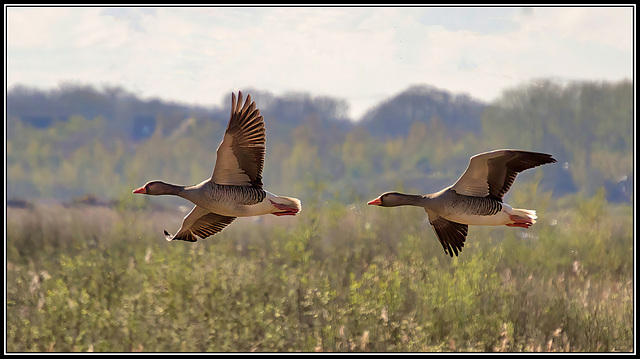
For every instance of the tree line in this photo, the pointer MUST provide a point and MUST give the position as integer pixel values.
(78, 140)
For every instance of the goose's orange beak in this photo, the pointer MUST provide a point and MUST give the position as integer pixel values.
(140, 190)
(375, 202)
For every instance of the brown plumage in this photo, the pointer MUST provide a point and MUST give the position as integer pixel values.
(475, 198)
(235, 187)
(240, 156)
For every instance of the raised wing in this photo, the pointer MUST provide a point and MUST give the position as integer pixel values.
(240, 156)
(492, 173)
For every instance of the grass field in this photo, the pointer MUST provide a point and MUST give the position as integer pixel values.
(334, 278)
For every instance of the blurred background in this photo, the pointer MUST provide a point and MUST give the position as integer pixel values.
(356, 101)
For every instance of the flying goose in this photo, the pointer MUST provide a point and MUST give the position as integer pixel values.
(475, 198)
(235, 187)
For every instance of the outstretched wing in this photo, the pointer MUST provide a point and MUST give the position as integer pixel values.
(200, 222)
(240, 156)
(451, 234)
(492, 173)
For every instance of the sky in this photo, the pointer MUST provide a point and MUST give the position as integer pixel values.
(364, 55)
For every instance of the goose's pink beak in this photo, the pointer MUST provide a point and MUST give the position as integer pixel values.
(375, 202)
(141, 190)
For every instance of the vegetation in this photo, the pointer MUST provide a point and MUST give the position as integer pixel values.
(334, 279)
(587, 126)
(93, 272)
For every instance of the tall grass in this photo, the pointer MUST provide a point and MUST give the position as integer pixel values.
(334, 278)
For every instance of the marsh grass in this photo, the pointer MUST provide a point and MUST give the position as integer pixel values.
(335, 278)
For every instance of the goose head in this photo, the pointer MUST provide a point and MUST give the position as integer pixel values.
(392, 199)
(156, 188)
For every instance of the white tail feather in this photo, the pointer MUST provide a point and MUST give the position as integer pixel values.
(289, 201)
(526, 213)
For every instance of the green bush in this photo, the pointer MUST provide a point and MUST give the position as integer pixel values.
(334, 278)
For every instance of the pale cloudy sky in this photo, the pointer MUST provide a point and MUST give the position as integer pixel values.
(198, 55)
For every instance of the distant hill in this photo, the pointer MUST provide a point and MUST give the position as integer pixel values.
(123, 111)
(78, 139)
(394, 117)
(137, 118)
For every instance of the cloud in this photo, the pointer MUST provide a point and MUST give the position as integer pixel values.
(132, 16)
(364, 55)
(608, 26)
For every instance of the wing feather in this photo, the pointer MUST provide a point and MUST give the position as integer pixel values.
(492, 173)
(240, 156)
(201, 223)
(450, 234)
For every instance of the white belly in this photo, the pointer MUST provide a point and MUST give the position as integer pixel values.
(498, 219)
(258, 209)
(240, 210)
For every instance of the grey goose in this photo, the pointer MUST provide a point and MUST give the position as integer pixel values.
(475, 198)
(235, 187)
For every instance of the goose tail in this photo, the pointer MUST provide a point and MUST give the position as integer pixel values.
(522, 217)
(286, 206)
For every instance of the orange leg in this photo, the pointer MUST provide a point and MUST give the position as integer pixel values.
(518, 221)
(286, 210)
